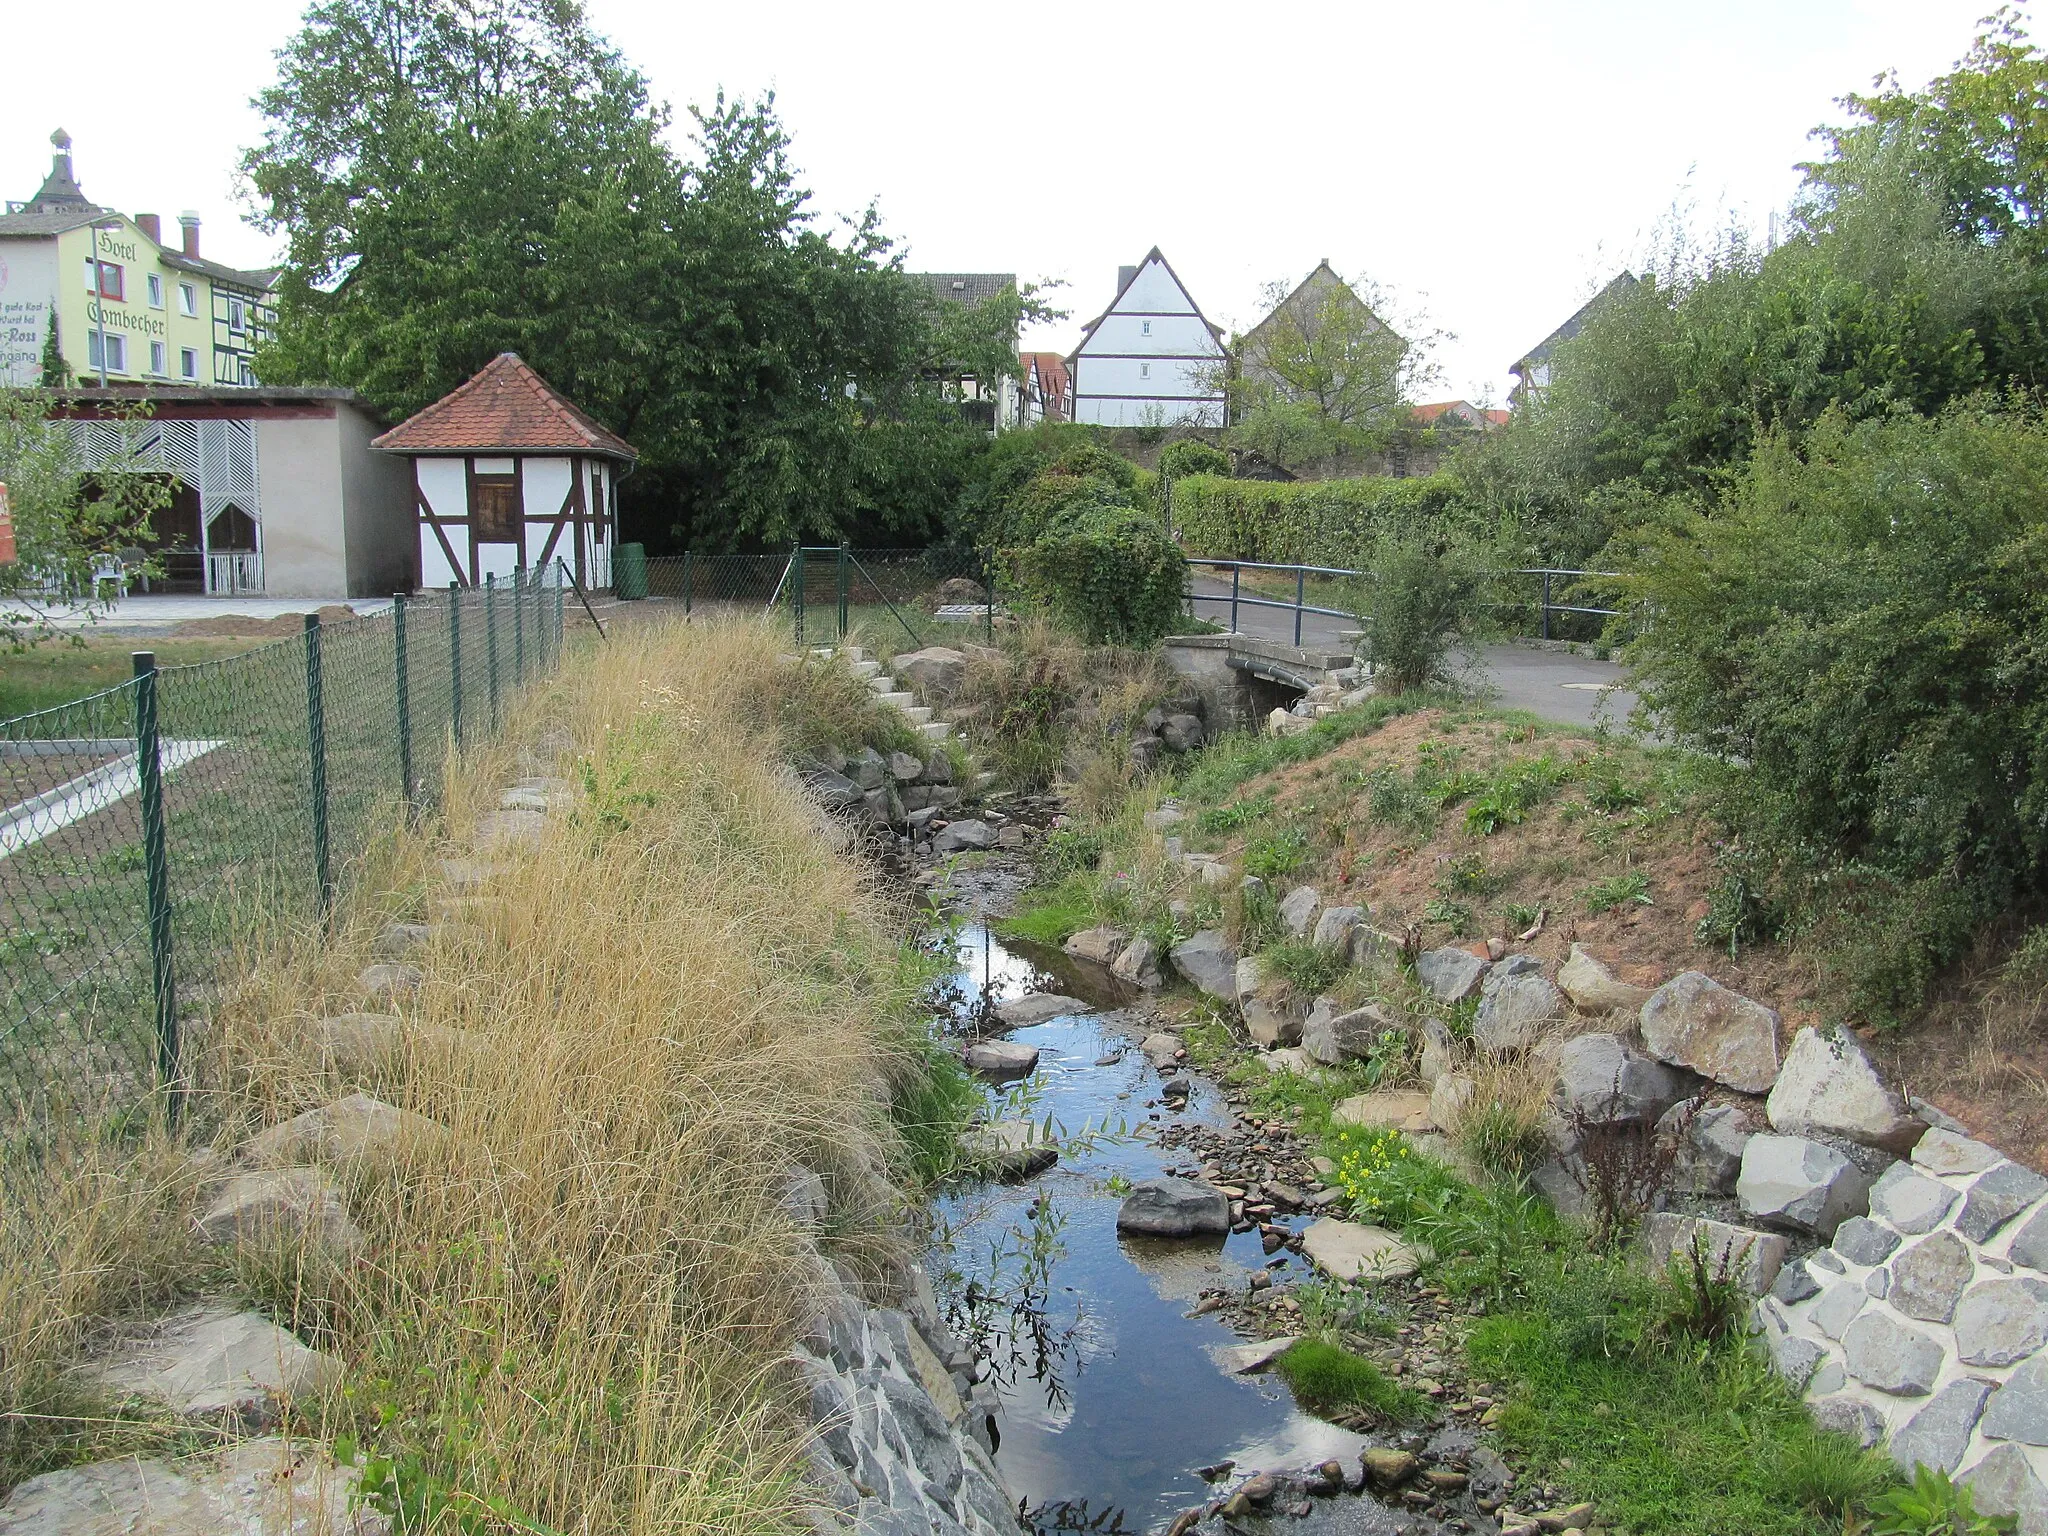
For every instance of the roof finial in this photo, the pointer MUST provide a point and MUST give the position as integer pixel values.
(61, 139)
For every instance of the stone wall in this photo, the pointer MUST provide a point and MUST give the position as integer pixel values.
(904, 1441)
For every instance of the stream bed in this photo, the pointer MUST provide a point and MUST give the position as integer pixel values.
(1112, 1396)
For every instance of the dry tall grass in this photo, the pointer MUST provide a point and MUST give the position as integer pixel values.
(633, 1033)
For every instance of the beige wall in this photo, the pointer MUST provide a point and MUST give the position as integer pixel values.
(337, 519)
(383, 524)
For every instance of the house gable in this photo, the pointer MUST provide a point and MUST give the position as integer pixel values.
(1151, 358)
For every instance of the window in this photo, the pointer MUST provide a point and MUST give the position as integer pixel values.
(156, 290)
(494, 509)
(188, 301)
(188, 363)
(159, 357)
(237, 317)
(103, 278)
(1147, 324)
(1144, 370)
(248, 375)
(116, 348)
(597, 505)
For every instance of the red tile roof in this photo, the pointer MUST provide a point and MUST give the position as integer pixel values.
(505, 408)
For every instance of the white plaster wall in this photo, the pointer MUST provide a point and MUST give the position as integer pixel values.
(547, 483)
(1172, 335)
(28, 289)
(1154, 289)
(444, 484)
(299, 498)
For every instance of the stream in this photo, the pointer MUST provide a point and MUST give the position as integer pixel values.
(1112, 1396)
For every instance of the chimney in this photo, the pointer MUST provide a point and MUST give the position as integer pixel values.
(151, 226)
(188, 221)
(1124, 276)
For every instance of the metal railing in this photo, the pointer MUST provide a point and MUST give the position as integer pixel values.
(149, 833)
(920, 595)
(233, 571)
(1545, 605)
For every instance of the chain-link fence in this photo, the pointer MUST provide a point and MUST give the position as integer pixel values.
(901, 599)
(147, 831)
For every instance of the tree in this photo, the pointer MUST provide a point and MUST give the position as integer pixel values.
(1323, 376)
(458, 178)
(68, 512)
(56, 372)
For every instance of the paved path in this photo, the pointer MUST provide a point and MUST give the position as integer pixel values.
(154, 613)
(1552, 685)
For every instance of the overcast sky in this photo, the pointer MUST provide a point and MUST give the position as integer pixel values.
(1492, 162)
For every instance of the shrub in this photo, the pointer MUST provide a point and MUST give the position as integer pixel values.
(1112, 578)
(1313, 522)
(1056, 501)
(1184, 459)
(1276, 853)
(1858, 623)
(1306, 968)
(1418, 611)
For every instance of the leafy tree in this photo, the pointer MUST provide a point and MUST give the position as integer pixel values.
(67, 513)
(1323, 376)
(455, 181)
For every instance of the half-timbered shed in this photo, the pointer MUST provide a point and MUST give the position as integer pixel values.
(507, 474)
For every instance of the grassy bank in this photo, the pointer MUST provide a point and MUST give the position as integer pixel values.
(569, 1310)
(60, 670)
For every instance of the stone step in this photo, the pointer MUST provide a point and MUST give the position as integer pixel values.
(882, 682)
(899, 700)
(857, 654)
(866, 668)
(916, 713)
(936, 730)
(984, 781)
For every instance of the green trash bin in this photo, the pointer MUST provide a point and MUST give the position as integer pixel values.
(629, 572)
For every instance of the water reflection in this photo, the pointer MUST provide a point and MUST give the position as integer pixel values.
(1110, 1398)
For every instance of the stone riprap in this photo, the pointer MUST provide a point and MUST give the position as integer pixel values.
(1922, 1326)
(902, 1431)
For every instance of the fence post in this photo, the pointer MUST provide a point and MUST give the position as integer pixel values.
(491, 643)
(455, 661)
(842, 590)
(1546, 605)
(518, 625)
(404, 701)
(561, 571)
(1300, 586)
(988, 592)
(316, 757)
(157, 866)
(796, 592)
(689, 556)
(1235, 573)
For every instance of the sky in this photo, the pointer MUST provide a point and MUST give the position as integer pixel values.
(1490, 163)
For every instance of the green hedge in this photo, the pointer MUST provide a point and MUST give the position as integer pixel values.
(1313, 522)
(1114, 578)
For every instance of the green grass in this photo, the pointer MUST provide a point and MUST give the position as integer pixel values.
(1329, 1381)
(1233, 760)
(1308, 968)
(1051, 915)
(1616, 891)
(58, 671)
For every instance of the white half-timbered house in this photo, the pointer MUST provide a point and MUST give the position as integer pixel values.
(507, 474)
(1152, 359)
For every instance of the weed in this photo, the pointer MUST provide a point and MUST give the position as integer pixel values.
(1512, 793)
(1627, 1164)
(1607, 789)
(1331, 1309)
(1467, 875)
(1698, 1297)
(1277, 853)
(1239, 813)
(1329, 1381)
(1519, 915)
(1934, 1506)
(1454, 915)
(1613, 891)
(1308, 969)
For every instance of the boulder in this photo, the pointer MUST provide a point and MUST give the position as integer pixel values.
(1181, 733)
(292, 1207)
(1450, 1098)
(359, 1131)
(265, 1487)
(1827, 1084)
(1694, 1021)
(961, 836)
(834, 791)
(1594, 989)
(1101, 945)
(1174, 1208)
(1298, 909)
(1245, 1359)
(1910, 1201)
(1009, 1150)
(1889, 1356)
(1709, 1158)
(1949, 1152)
(1335, 926)
(1602, 1079)
(1450, 975)
(359, 1044)
(215, 1365)
(1250, 976)
(1372, 947)
(1139, 964)
(1002, 1058)
(1847, 1414)
(1334, 1038)
(1269, 1026)
(938, 768)
(1799, 1185)
(1208, 961)
(1165, 817)
(397, 940)
(1161, 1049)
(1038, 1007)
(905, 768)
(1751, 1259)
(1388, 1109)
(388, 981)
(1349, 1250)
(1438, 1054)
(934, 672)
(869, 770)
(1513, 1014)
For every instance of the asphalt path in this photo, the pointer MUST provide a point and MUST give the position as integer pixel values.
(1552, 685)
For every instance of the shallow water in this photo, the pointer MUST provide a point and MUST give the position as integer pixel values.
(1113, 1398)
